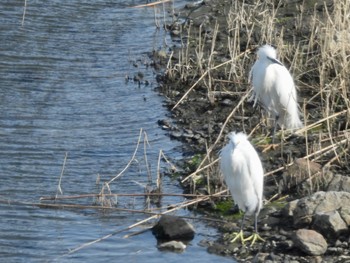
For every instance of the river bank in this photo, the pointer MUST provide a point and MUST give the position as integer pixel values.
(207, 90)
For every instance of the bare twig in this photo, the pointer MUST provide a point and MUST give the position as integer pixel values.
(152, 4)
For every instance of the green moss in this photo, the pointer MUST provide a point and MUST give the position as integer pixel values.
(224, 206)
(261, 140)
(194, 162)
(175, 175)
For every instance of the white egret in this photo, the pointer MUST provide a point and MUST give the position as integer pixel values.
(244, 176)
(274, 88)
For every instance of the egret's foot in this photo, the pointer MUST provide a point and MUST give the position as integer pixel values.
(254, 237)
(237, 236)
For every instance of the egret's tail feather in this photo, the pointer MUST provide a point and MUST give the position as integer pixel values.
(293, 122)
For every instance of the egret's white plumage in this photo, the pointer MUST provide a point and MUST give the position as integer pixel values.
(244, 176)
(274, 88)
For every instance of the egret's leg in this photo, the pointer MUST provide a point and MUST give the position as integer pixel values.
(272, 145)
(255, 236)
(239, 236)
(274, 130)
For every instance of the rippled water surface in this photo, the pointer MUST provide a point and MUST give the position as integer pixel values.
(63, 91)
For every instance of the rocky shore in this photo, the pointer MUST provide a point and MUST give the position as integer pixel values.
(306, 216)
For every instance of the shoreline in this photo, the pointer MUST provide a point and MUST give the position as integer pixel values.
(205, 84)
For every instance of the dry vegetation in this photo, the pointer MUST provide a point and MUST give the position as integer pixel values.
(312, 40)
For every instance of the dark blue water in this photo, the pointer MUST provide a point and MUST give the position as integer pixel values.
(63, 91)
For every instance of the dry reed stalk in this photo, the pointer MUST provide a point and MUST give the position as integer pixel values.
(152, 4)
(317, 123)
(106, 186)
(145, 144)
(50, 198)
(204, 74)
(59, 189)
(210, 62)
(321, 152)
(131, 159)
(159, 176)
(24, 11)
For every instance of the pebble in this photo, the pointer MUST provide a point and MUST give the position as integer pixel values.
(176, 246)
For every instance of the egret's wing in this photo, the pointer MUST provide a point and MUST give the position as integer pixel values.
(287, 98)
(256, 176)
(232, 168)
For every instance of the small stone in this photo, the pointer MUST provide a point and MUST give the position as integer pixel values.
(165, 124)
(260, 257)
(227, 102)
(175, 32)
(173, 245)
(310, 242)
(176, 134)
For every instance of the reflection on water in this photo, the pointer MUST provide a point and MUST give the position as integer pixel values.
(63, 90)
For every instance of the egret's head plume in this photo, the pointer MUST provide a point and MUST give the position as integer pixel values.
(267, 51)
(236, 138)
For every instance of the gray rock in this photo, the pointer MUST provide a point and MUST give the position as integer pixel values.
(173, 228)
(310, 242)
(329, 224)
(319, 203)
(339, 183)
(288, 210)
(345, 214)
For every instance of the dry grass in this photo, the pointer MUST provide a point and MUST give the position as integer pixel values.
(314, 43)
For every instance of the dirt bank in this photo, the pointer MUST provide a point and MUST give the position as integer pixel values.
(206, 85)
